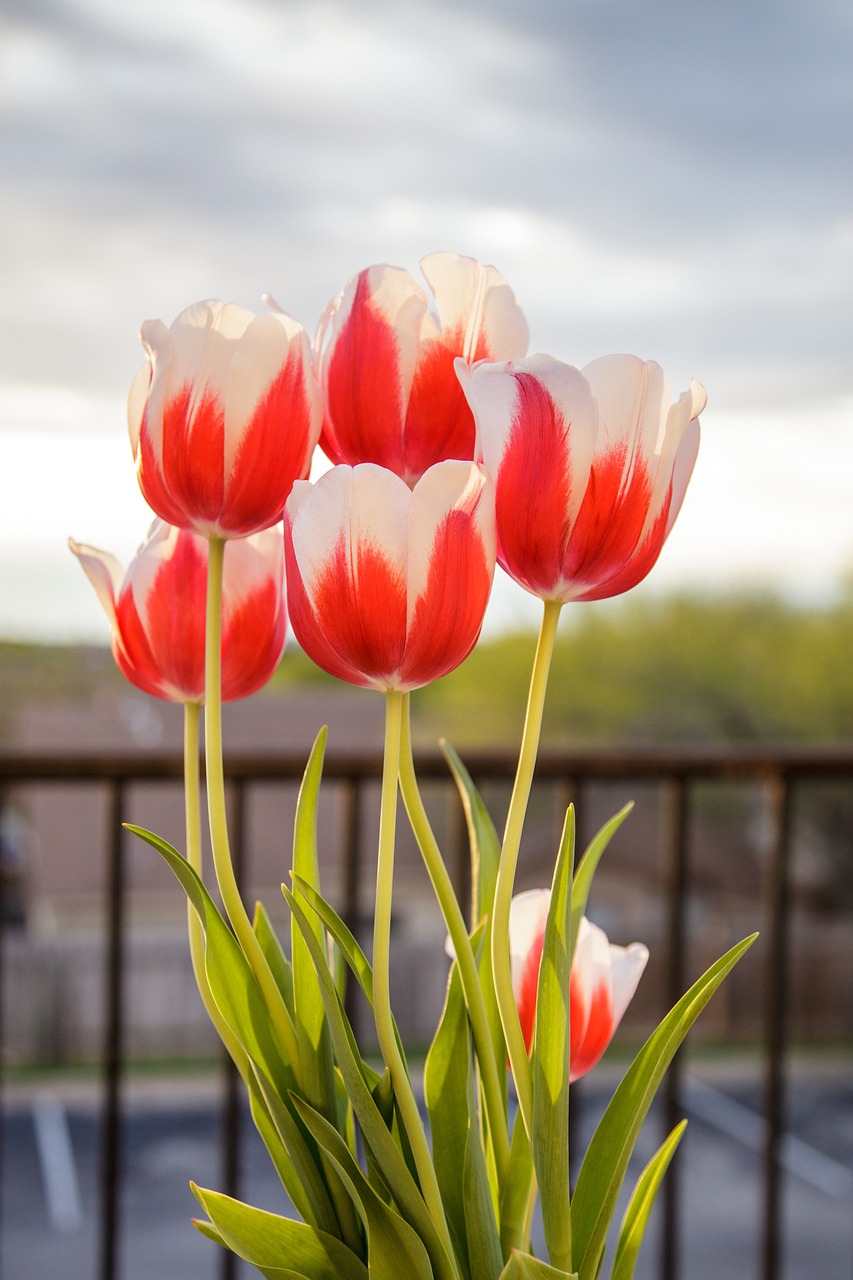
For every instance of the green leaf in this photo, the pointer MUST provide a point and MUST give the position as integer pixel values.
(640, 1206)
(306, 1186)
(516, 1192)
(393, 1248)
(278, 1246)
(315, 1051)
(376, 1135)
(484, 1243)
(229, 976)
(274, 954)
(523, 1266)
(485, 858)
(606, 1161)
(484, 842)
(550, 1060)
(446, 1074)
(587, 867)
(352, 952)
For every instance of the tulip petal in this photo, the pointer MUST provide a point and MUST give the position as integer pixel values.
(368, 366)
(103, 571)
(536, 425)
(626, 968)
(476, 303)
(348, 536)
(450, 570)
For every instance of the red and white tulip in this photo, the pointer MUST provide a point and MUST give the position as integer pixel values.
(156, 611)
(387, 586)
(604, 978)
(224, 415)
(386, 364)
(590, 468)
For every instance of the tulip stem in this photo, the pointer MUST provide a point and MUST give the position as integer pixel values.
(192, 809)
(501, 964)
(385, 1031)
(455, 923)
(218, 818)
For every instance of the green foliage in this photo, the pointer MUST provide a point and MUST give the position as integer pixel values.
(663, 669)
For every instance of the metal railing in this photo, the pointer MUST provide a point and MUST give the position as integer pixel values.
(676, 771)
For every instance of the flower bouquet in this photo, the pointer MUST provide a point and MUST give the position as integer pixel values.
(451, 451)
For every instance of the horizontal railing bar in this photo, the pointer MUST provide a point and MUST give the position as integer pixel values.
(725, 762)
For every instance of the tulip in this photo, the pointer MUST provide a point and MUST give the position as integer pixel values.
(224, 415)
(387, 586)
(603, 980)
(590, 468)
(156, 611)
(386, 366)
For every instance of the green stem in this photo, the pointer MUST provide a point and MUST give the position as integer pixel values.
(501, 965)
(192, 807)
(455, 924)
(381, 971)
(217, 815)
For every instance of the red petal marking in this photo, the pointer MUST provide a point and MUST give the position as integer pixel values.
(364, 411)
(448, 614)
(193, 452)
(439, 421)
(528, 989)
(597, 1034)
(641, 562)
(253, 636)
(357, 611)
(162, 639)
(306, 626)
(273, 452)
(611, 518)
(533, 490)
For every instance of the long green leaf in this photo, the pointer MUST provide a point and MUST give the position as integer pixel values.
(274, 1244)
(274, 955)
(484, 842)
(606, 1161)
(640, 1206)
(311, 1201)
(446, 1072)
(393, 1248)
(484, 1242)
(587, 865)
(343, 936)
(523, 1266)
(376, 1135)
(315, 1050)
(485, 858)
(550, 1060)
(241, 1003)
(229, 976)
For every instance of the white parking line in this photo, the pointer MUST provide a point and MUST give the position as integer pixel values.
(58, 1168)
(747, 1127)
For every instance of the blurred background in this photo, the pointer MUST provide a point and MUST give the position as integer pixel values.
(670, 179)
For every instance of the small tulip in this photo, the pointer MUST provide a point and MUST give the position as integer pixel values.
(156, 611)
(386, 365)
(387, 586)
(590, 468)
(604, 978)
(224, 415)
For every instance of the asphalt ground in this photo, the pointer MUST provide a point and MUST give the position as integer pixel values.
(50, 1200)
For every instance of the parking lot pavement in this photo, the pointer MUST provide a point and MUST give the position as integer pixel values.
(51, 1191)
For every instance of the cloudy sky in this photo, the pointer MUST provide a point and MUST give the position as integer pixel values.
(666, 177)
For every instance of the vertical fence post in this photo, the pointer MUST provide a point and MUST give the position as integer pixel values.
(775, 1018)
(231, 1084)
(111, 1136)
(675, 846)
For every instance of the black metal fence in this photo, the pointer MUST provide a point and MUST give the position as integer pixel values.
(779, 772)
